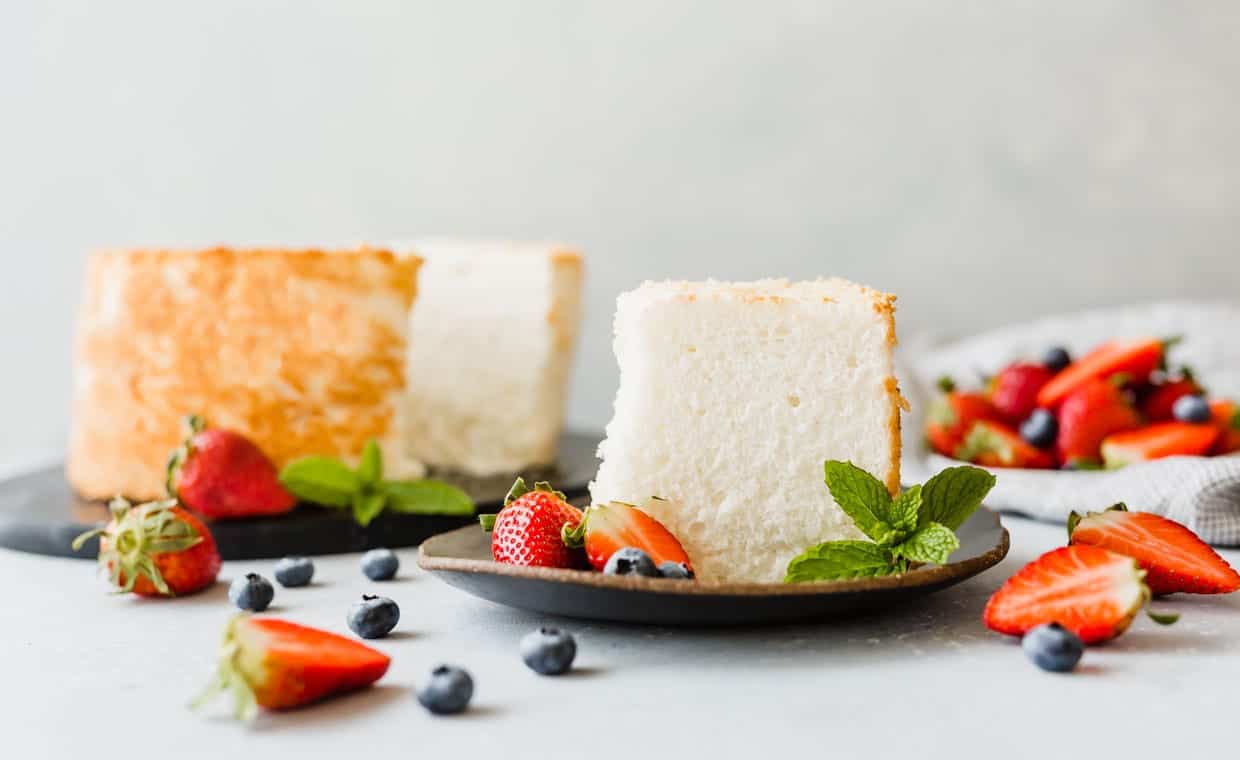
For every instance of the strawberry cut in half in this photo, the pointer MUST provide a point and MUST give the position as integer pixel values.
(155, 549)
(1135, 359)
(1092, 592)
(606, 528)
(992, 444)
(1014, 391)
(1166, 439)
(1173, 557)
(1088, 415)
(952, 415)
(265, 662)
(221, 474)
(528, 530)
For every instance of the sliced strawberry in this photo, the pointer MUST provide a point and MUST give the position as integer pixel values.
(992, 444)
(221, 474)
(615, 525)
(952, 416)
(1090, 591)
(1226, 416)
(1166, 439)
(1014, 391)
(276, 664)
(1173, 557)
(1089, 414)
(1136, 359)
(1158, 402)
(155, 549)
(528, 530)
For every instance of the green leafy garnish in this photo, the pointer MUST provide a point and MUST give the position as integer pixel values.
(916, 526)
(329, 482)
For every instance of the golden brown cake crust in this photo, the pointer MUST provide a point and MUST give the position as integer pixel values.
(303, 351)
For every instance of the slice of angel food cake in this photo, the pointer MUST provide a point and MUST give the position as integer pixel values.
(732, 395)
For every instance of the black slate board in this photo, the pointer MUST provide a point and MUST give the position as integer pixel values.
(40, 514)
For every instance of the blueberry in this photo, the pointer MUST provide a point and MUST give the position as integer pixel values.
(1040, 428)
(631, 561)
(251, 592)
(447, 691)
(380, 564)
(374, 617)
(1191, 409)
(1056, 359)
(677, 570)
(292, 572)
(549, 651)
(1052, 647)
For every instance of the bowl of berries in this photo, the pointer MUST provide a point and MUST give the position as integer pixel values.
(1137, 403)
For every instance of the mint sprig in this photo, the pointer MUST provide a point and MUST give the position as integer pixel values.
(328, 482)
(918, 525)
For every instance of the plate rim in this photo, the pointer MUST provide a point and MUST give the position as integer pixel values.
(430, 561)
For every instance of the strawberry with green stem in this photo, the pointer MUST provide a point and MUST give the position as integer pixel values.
(275, 664)
(221, 474)
(155, 549)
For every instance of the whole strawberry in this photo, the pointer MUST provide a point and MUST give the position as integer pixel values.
(1089, 414)
(221, 474)
(529, 529)
(155, 549)
(1158, 401)
(1014, 391)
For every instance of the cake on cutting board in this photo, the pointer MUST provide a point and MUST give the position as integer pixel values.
(491, 341)
(731, 397)
(302, 351)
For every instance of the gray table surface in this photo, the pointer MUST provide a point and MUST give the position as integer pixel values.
(84, 673)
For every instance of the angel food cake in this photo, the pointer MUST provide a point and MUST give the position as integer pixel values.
(460, 362)
(731, 397)
(492, 338)
(302, 351)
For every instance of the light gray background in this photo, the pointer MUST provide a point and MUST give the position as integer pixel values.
(986, 161)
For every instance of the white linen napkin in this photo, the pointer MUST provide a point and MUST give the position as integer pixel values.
(1200, 492)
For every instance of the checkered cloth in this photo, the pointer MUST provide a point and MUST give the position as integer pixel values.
(1202, 493)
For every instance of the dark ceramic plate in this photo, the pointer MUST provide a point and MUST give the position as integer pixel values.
(462, 558)
(39, 513)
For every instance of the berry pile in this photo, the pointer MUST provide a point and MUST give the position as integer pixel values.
(1116, 405)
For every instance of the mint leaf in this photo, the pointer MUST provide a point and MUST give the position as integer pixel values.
(862, 496)
(426, 497)
(837, 560)
(321, 480)
(902, 513)
(370, 469)
(931, 543)
(367, 507)
(951, 496)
